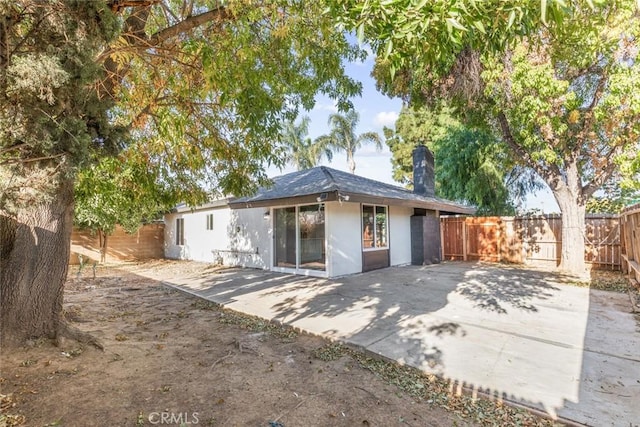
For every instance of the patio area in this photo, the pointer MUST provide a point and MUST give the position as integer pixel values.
(522, 335)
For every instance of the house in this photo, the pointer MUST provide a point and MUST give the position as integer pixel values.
(318, 222)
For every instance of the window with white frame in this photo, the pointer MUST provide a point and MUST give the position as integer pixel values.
(179, 231)
(210, 222)
(374, 227)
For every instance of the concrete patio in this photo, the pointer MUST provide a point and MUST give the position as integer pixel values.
(519, 334)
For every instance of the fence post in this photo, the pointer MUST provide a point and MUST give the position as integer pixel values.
(441, 236)
(464, 239)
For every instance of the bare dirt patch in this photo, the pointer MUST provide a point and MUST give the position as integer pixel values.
(173, 359)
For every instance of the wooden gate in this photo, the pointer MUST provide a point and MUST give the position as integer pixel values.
(471, 238)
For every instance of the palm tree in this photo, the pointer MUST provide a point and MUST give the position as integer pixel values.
(301, 151)
(342, 136)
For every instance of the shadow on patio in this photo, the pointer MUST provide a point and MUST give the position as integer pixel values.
(510, 332)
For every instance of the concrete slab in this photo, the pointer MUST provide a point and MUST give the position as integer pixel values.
(521, 334)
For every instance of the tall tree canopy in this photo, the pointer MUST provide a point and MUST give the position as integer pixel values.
(298, 148)
(194, 92)
(471, 165)
(561, 96)
(343, 137)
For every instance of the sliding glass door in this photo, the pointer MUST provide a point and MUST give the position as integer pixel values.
(300, 237)
(285, 238)
(311, 226)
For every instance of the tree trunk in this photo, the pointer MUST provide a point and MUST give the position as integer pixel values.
(573, 231)
(34, 250)
(103, 246)
(351, 162)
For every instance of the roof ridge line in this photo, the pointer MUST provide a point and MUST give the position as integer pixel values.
(328, 173)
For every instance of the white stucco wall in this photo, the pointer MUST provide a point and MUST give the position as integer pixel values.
(249, 239)
(243, 237)
(240, 237)
(198, 241)
(344, 238)
(400, 235)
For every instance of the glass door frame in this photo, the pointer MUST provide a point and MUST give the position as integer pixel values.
(297, 269)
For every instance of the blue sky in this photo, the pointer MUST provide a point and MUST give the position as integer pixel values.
(376, 111)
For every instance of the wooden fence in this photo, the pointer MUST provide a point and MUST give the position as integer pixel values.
(630, 231)
(533, 240)
(146, 243)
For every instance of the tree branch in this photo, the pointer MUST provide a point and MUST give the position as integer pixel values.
(31, 160)
(135, 35)
(133, 31)
(591, 187)
(549, 174)
(219, 13)
(13, 147)
(117, 5)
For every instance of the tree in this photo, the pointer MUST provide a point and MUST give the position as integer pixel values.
(118, 191)
(471, 165)
(561, 95)
(194, 90)
(342, 136)
(564, 103)
(300, 150)
(614, 196)
(48, 119)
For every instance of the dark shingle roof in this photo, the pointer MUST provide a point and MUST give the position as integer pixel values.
(330, 184)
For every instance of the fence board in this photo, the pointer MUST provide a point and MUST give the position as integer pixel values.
(630, 252)
(453, 238)
(483, 238)
(530, 240)
(146, 243)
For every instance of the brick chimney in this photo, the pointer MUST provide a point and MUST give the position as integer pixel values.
(423, 172)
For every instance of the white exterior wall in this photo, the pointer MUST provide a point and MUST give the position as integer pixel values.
(344, 238)
(239, 237)
(171, 250)
(400, 235)
(249, 239)
(243, 237)
(198, 241)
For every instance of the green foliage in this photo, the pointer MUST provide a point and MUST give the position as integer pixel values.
(599, 204)
(117, 191)
(471, 165)
(342, 136)
(561, 97)
(208, 107)
(556, 80)
(193, 92)
(474, 167)
(614, 197)
(414, 127)
(429, 35)
(299, 149)
(571, 103)
(51, 117)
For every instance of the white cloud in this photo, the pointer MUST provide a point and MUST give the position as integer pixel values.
(385, 118)
(322, 106)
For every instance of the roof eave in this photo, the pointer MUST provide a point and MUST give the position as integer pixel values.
(327, 196)
(215, 204)
(435, 205)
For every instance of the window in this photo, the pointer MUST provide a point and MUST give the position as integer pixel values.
(210, 222)
(180, 231)
(374, 227)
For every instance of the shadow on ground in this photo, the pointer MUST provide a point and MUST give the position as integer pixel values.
(506, 331)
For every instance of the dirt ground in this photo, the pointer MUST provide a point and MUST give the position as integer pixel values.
(172, 359)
